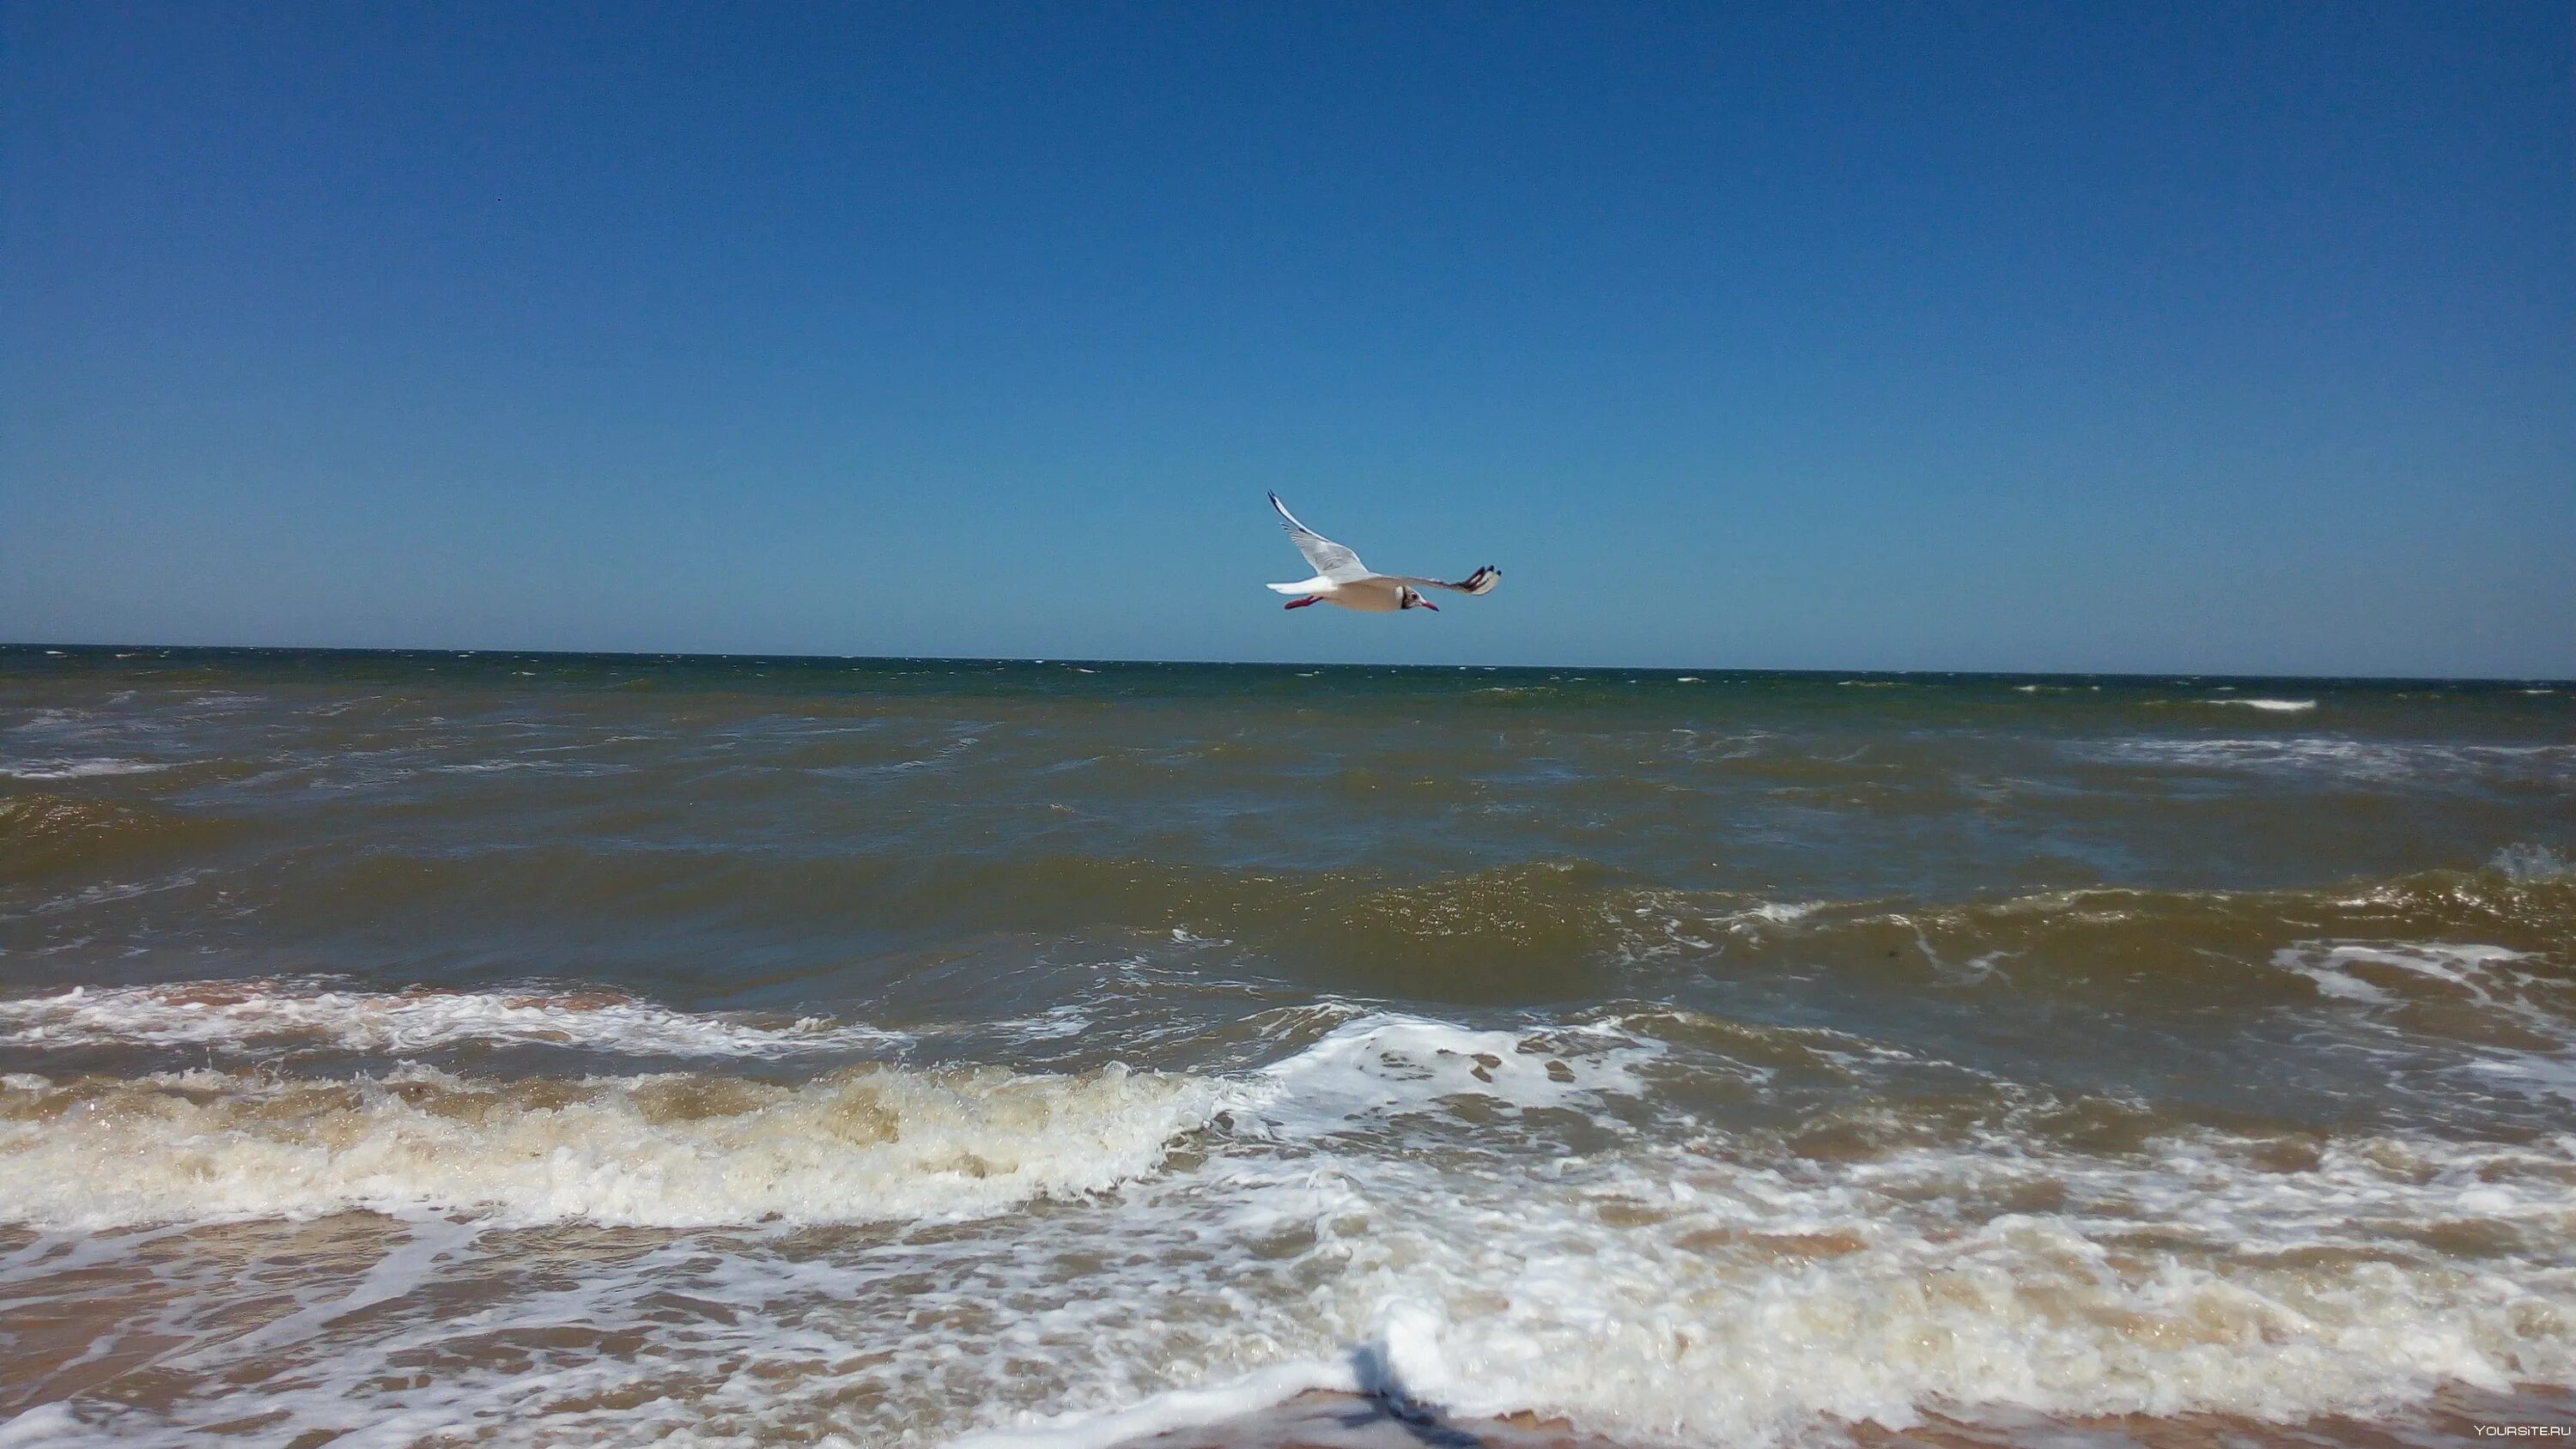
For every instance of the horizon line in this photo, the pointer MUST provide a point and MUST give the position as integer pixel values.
(792, 657)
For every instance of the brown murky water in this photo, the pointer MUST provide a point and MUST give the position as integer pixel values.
(423, 1050)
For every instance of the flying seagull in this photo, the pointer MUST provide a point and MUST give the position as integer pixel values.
(1340, 577)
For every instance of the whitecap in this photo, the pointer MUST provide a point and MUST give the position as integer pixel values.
(2276, 706)
(669, 1150)
(1612, 1289)
(258, 1016)
(2530, 864)
(1388, 1065)
(79, 769)
(2467, 968)
(1993, 1269)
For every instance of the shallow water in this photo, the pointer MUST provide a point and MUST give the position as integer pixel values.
(423, 1048)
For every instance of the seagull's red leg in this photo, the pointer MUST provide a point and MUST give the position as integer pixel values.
(1301, 603)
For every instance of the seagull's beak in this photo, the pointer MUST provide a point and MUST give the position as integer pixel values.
(1426, 604)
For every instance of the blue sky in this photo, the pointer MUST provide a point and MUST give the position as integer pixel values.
(2202, 337)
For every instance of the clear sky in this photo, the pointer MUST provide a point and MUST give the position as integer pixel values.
(2224, 337)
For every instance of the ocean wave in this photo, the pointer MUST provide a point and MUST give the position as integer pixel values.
(1531, 932)
(2530, 864)
(1384, 1066)
(2020, 1252)
(2273, 706)
(1540, 927)
(2514, 1014)
(79, 769)
(668, 1150)
(2204, 948)
(262, 1015)
(1835, 1299)
(1535, 931)
(2387, 973)
(2335, 756)
(42, 833)
(2070, 1257)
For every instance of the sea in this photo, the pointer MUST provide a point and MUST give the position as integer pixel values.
(536, 1049)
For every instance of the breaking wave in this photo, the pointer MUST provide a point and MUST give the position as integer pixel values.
(668, 1150)
(2270, 706)
(79, 769)
(240, 1016)
(1481, 1221)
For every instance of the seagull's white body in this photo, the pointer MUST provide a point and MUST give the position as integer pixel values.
(1343, 581)
(1369, 596)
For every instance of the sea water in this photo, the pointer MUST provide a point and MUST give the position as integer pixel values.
(549, 1050)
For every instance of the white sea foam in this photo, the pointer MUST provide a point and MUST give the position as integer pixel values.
(1782, 912)
(561, 767)
(671, 1150)
(2491, 983)
(1616, 1290)
(2276, 706)
(1382, 1067)
(2332, 755)
(1649, 1280)
(2531, 864)
(2385, 973)
(2531, 1074)
(241, 1016)
(65, 721)
(1857, 1308)
(78, 769)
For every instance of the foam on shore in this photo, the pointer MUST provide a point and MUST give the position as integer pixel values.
(1466, 1221)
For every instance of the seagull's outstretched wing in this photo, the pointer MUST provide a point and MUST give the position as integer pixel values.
(1482, 581)
(1330, 559)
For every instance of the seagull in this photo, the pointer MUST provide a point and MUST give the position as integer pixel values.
(1340, 578)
